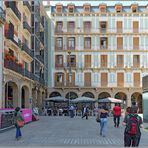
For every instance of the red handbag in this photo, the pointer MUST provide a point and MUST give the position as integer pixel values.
(20, 123)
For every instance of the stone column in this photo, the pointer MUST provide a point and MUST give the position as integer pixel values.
(19, 98)
(128, 101)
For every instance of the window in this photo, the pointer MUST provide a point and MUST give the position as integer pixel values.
(128, 78)
(59, 43)
(112, 78)
(71, 26)
(71, 9)
(103, 9)
(103, 60)
(59, 78)
(86, 8)
(119, 26)
(71, 43)
(120, 79)
(120, 60)
(87, 43)
(135, 43)
(136, 61)
(134, 9)
(135, 26)
(59, 60)
(59, 26)
(103, 43)
(59, 9)
(118, 9)
(87, 26)
(87, 60)
(136, 79)
(103, 26)
(104, 79)
(119, 43)
(72, 60)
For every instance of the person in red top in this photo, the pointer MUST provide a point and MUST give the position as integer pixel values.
(116, 114)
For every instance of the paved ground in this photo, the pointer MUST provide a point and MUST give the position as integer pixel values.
(64, 131)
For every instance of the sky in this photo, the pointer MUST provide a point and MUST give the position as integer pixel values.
(96, 2)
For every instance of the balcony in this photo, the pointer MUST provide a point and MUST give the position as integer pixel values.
(40, 58)
(9, 35)
(59, 84)
(13, 66)
(70, 48)
(26, 49)
(2, 16)
(26, 26)
(12, 6)
(58, 30)
(58, 48)
(26, 3)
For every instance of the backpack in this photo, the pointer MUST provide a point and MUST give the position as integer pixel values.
(132, 124)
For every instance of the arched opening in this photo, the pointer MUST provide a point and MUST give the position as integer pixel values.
(137, 97)
(122, 96)
(71, 95)
(54, 94)
(11, 95)
(104, 95)
(88, 94)
(25, 97)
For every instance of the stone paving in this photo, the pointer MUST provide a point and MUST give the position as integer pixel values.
(64, 131)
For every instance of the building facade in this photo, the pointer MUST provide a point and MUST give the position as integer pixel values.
(2, 21)
(99, 51)
(22, 87)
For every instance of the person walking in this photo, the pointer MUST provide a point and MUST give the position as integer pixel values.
(116, 115)
(19, 122)
(132, 133)
(85, 112)
(103, 112)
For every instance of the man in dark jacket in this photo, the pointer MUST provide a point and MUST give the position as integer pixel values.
(116, 114)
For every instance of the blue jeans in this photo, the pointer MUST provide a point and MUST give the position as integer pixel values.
(18, 132)
(103, 126)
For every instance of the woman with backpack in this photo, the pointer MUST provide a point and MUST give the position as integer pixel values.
(132, 133)
(19, 122)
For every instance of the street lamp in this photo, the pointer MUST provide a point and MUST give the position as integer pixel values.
(69, 75)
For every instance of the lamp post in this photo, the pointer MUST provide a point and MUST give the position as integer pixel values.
(69, 75)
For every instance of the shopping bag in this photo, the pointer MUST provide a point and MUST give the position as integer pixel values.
(20, 123)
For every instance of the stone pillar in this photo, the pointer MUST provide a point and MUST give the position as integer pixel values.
(19, 98)
(128, 101)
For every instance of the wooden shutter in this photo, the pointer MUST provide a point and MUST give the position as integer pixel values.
(119, 43)
(120, 79)
(136, 79)
(135, 43)
(87, 78)
(104, 79)
(119, 26)
(135, 26)
(120, 60)
(103, 60)
(87, 61)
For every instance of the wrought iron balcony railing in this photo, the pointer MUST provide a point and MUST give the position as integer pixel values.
(26, 3)
(26, 26)
(11, 4)
(26, 49)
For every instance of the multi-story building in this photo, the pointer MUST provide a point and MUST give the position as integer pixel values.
(40, 50)
(2, 20)
(22, 86)
(99, 51)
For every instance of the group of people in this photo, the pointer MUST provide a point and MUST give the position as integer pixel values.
(132, 122)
